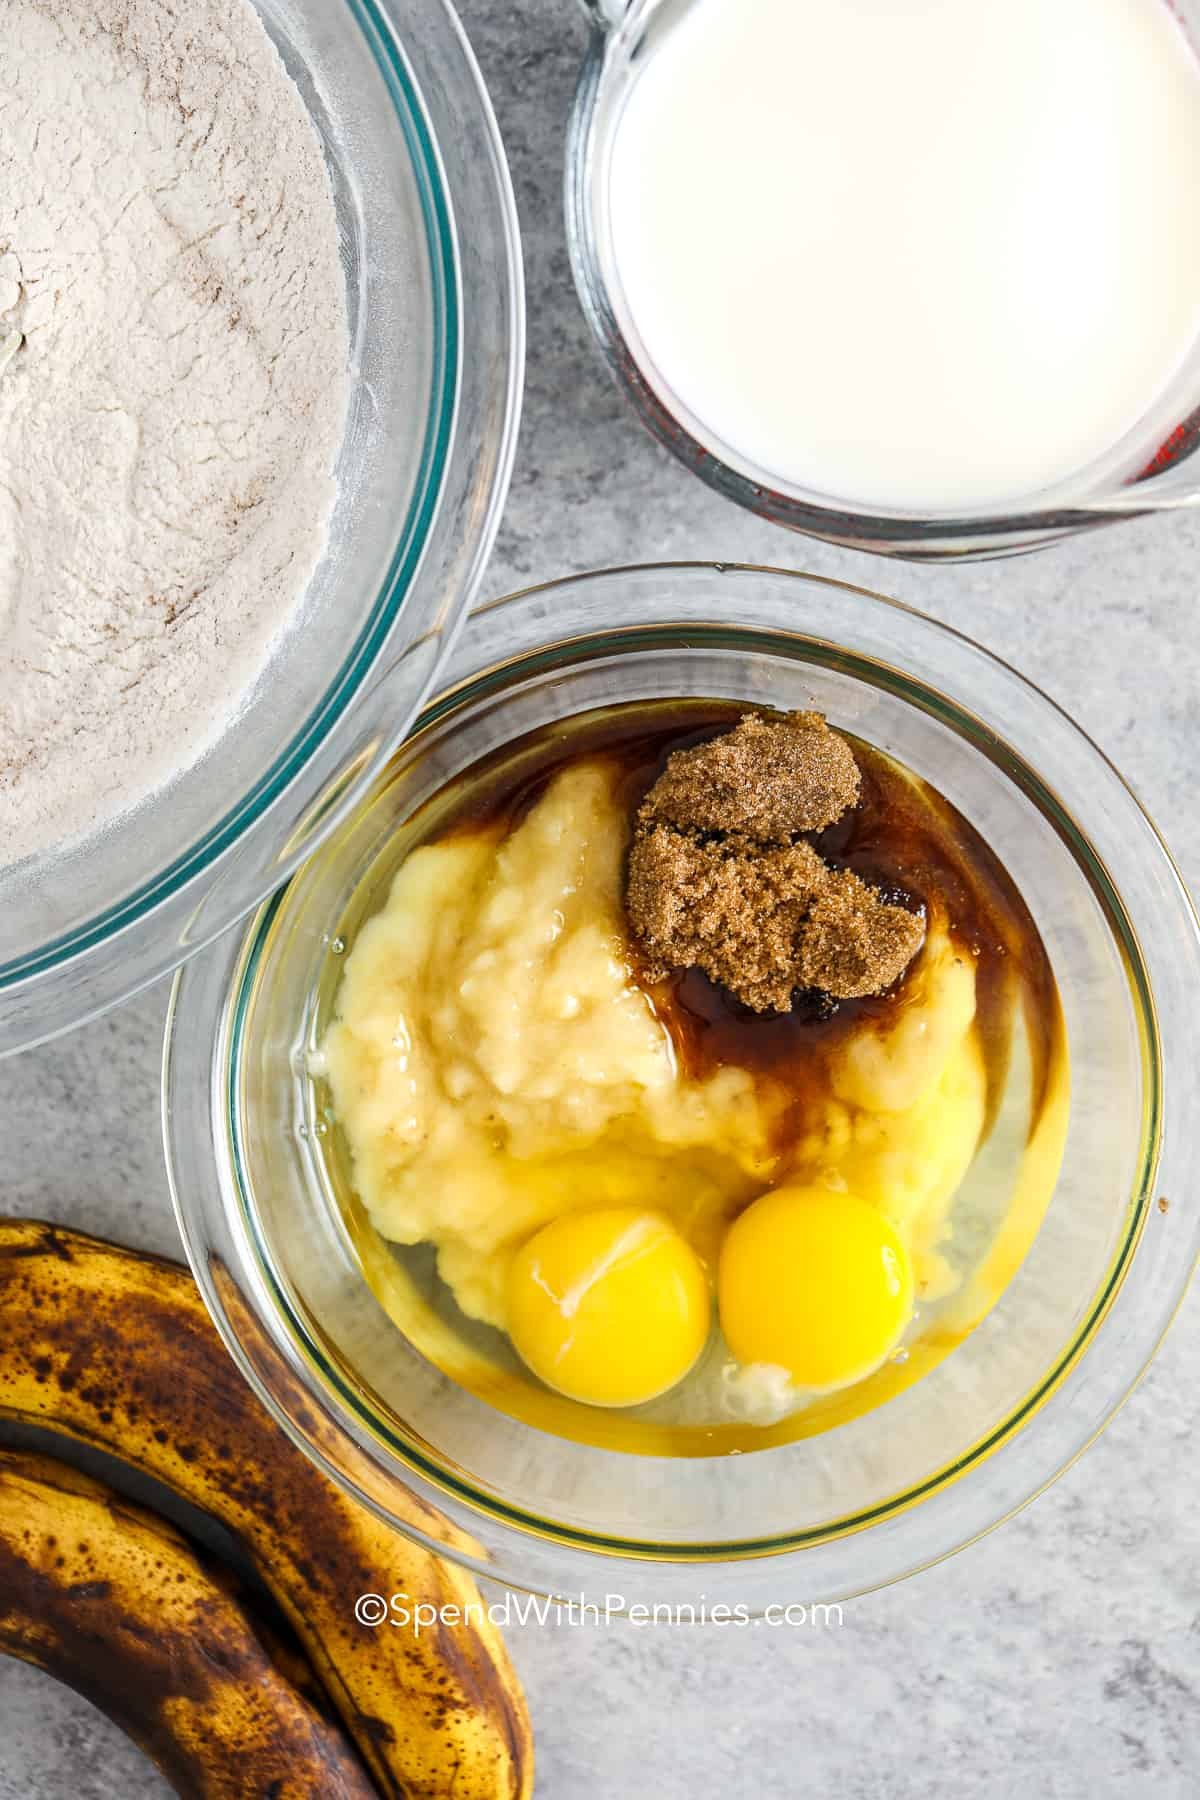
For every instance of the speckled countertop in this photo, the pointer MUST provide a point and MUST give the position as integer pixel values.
(1060, 1656)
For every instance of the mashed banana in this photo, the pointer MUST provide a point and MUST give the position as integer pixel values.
(493, 1065)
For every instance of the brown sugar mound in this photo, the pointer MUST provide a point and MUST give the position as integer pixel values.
(854, 942)
(750, 902)
(767, 778)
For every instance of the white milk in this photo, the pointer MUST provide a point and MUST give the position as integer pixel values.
(923, 254)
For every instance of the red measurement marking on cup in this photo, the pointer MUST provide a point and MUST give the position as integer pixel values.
(1181, 443)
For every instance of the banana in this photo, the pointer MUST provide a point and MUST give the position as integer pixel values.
(114, 1348)
(111, 1600)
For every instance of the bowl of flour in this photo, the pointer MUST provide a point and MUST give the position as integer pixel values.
(257, 417)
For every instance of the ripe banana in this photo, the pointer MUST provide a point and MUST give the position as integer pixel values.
(114, 1348)
(111, 1600)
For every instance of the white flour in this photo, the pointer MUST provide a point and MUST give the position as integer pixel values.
(168, 426)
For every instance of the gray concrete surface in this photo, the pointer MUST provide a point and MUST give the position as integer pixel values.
(1060, 1656)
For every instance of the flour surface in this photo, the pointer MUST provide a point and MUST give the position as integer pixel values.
(173, 312)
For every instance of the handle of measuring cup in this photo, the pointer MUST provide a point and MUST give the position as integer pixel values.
(604, 14)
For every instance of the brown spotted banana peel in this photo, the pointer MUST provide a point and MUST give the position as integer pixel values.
(111, 1600)
(114, 1348)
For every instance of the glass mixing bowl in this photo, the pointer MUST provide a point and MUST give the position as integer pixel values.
(431, 253)
(867, 1501)
(1153, 468)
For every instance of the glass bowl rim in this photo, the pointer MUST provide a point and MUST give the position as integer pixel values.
(436, 1482)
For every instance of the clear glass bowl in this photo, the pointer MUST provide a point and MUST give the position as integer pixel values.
(870, 1500)
(1154, 467)
(432, 258)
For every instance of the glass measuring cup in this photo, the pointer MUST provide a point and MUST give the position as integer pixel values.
(1154, 466)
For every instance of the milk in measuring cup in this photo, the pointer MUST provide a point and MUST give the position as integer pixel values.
(911, 254)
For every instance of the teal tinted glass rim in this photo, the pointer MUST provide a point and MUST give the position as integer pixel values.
(596, 645)
(439, 231)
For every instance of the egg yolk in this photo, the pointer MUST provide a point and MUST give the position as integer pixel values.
(814, 1282)
(609, 1307)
